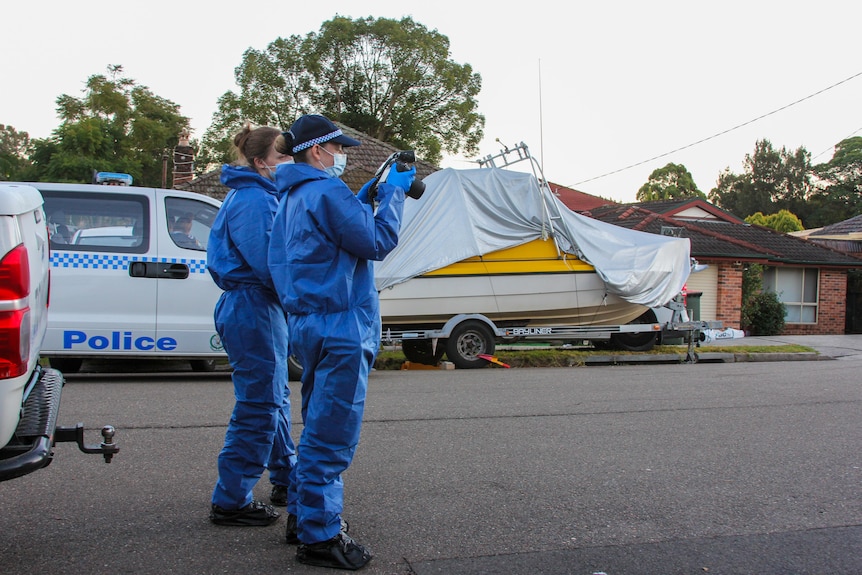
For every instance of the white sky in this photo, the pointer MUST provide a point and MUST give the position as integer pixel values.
(620, 82)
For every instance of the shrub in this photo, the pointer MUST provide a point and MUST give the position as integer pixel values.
(763, 314)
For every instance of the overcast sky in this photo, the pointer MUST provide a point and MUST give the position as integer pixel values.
(591, 87)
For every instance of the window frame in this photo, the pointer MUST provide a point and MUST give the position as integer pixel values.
(71, 202)
(777, 279)
(176, 206)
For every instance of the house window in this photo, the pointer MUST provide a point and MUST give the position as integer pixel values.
(797, 289)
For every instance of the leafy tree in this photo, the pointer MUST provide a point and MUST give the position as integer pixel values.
(757, 218)
(117, 126)
(274, 89)
(783, 221)
(391, 79)
(846, 164)
(752, 280)
(773, 180)
(839, 193)
(15, 148)
(762, 312)
(670, 182)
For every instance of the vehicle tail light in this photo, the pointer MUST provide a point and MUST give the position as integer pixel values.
(14, 320)
(15, 274)
(14, 342)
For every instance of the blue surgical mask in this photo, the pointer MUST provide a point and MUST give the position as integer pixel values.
(337, 168)
(271, 169)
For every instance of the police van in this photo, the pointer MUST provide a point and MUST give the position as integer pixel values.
(129, 274)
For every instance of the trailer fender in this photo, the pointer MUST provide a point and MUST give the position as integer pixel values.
(450, 325)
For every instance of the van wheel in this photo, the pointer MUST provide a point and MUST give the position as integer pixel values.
(421, 351)
(294, 369)
(66, 364)
(468, 340)
(203, 364)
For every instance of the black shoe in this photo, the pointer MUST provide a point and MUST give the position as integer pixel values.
(255, 514)
(340, 552)
(278, 495)
(290, 531)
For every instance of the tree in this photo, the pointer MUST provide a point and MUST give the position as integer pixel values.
(117, 126)
(783, 221)
(773, 180)
(762, 312)
(845, 167)
(670, 182)
(274, 89)
(391, 79)
(15, 147)
(839, 191)
(757, 219)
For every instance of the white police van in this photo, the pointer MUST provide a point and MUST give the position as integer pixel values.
(127, 282)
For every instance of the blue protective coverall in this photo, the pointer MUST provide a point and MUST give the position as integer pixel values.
(323, 242)
(253, 329)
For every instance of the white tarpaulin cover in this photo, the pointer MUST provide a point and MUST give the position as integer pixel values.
(467, 213)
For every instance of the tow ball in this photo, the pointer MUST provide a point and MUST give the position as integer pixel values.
(107, 448)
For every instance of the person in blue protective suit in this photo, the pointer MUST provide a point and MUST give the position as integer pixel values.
(253, 329)
(324, 241)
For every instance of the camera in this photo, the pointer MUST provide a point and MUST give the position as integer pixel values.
(400, 161)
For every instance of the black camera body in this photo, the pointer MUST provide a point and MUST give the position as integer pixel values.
(400, 161)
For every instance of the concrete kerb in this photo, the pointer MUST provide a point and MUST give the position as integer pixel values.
(701, 357)
(804, 356)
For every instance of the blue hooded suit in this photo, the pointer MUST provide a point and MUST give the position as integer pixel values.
(253, 329)
(324, 241)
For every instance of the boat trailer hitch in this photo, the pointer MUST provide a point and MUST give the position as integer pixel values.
(107, 448)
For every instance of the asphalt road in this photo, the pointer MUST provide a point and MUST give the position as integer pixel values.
(736, 468)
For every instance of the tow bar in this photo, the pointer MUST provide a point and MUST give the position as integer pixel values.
(107, 448)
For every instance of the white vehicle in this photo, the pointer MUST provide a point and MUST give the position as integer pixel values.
(126, 284)
(29, 393)
(115, 235)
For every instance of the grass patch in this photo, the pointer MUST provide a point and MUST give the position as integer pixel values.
(552, 357)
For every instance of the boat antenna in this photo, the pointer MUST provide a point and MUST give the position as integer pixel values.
(541, 124)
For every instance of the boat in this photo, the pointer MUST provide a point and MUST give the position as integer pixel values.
(498, 243)
(529, 283)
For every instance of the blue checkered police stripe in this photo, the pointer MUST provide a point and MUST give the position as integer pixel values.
(117, 262)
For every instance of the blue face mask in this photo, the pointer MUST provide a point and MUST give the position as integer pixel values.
(271, 169)
(337, 168)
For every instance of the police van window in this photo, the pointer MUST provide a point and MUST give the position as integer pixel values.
(96, 222)
(189, 222)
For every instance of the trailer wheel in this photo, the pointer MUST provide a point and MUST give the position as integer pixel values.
(468, 340)
(294, 369)
(421, 351)
(643, 341)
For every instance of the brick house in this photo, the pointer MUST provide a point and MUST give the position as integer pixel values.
(844, 236)
(810, 279)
